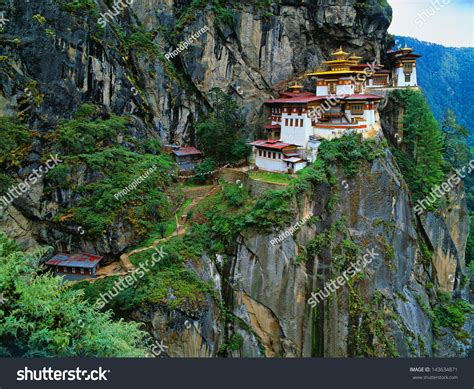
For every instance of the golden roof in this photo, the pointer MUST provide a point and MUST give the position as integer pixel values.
(340, 52)
(334, 72)
(296, 86)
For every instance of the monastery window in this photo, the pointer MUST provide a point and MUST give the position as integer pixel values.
(301, 122)
(64, 270)
(286, 122)
(332, 88)
(82, 270)
(259, 153)
(291, 122)
(357, 109)
(73, 269)
(407, 77)
(408, 66)
(379, 80)
(358, 87)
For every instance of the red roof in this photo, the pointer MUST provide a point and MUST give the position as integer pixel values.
(182, 151)
(271, 144)
(76, 260)
(404, 53)
(306, 98)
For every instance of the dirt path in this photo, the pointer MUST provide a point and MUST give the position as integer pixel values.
(124, 266)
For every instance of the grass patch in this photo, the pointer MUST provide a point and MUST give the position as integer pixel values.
(273, 178)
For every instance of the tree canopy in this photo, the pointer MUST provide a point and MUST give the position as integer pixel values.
(40, 316)
(220, 133)
(421, 153)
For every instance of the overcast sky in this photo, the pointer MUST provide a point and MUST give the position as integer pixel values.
(451, 22)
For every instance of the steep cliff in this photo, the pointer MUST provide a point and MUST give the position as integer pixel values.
(234, 293)
(55, 57)
(58, 51)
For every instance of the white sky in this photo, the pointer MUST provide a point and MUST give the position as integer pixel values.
(451, 22)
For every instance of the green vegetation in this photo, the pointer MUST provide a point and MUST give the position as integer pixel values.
(349, 151)
(204, 170)
(442, 73)
(79, 6)
(220, 133)
(168, 282)
(235, 343)
(420, 154)
(458, 155)
(44, 317)
(231, 211)
(39, 18)
(273, 178)
(16, 142)
(452, 314)
(222, 11)
(367, 326)
(456, 152)
(90, 140)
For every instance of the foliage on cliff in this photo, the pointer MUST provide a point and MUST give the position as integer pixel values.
(420, 152)
(42, 316)
(442, 73)
(91, 141)
(221, 134)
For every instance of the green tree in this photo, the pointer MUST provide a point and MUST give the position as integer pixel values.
(204, 170)
(421, 153)
(220, 133)
(456, 151)
(42, 316)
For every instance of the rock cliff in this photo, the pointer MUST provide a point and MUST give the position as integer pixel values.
(54, 57)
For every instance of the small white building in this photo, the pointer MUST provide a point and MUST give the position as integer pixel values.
(404, 68)
(277, 156)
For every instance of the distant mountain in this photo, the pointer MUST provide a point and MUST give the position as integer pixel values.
(445, 74)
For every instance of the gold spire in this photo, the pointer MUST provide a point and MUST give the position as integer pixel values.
(340, 52)
(406, 48)
(295, 88)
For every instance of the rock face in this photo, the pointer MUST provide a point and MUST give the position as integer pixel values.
(53, 59)
(266, 286)
(271, 288)
(72, 61)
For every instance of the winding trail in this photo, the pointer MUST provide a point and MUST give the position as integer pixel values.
(124, 266)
